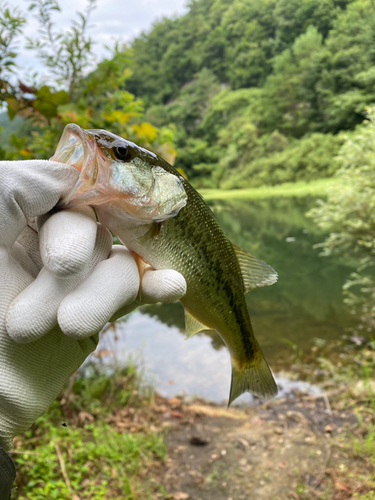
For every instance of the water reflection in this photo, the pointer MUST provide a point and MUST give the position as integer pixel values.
(174, 366)
(305, 303)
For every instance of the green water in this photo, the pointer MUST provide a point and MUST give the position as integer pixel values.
(305, 304)
(307, 300)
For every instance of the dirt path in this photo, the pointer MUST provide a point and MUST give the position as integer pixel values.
(262, 453)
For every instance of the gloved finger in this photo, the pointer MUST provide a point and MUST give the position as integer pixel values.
(21, 256)
(67, 239)
(113, 284)
(33, 313)
(29, 240)
(32, 375)
(164, 285)
(30, 188)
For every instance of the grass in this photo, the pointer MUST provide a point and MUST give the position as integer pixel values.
(103, 439)
(94, 443)
(314, 188)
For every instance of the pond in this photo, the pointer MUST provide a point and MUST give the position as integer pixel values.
(305, 304)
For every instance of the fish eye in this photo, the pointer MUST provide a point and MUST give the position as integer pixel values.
(121, 153)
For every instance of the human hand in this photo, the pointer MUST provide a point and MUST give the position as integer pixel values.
(61, 281)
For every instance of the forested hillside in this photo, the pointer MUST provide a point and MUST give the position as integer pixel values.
(239, 93)
(259, 92)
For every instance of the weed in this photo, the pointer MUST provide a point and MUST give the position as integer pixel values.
(83, 445)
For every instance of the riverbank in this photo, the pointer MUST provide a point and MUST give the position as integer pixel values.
(115, 439)
(318, 187)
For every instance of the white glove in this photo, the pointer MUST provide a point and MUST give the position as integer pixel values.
(49, 319)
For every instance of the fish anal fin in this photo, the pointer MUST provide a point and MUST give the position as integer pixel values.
(192, 325)
(255, 272)
(254, 377)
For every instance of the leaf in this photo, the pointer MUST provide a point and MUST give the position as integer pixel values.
(339, 485)
(12, 107)
(145, 131)
(44, 92)
(118, 116)
(60, 97)
(45, 108)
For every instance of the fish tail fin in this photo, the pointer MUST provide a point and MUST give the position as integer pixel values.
(253, 376)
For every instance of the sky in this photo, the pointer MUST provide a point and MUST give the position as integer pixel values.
(112, 20)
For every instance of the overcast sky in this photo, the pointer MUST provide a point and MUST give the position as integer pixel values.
(111, 20)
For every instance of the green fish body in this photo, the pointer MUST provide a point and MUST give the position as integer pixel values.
(217, 273)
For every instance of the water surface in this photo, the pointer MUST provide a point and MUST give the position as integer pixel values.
(306, 303)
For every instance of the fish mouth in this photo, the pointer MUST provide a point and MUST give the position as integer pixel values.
(72, 147)
(78, 148)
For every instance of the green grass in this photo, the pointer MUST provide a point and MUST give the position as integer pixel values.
(94, 442)
(319, 187)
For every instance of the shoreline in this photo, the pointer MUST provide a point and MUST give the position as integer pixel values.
(302, 447)
(319, 187)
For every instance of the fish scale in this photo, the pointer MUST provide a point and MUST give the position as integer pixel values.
(187, 239)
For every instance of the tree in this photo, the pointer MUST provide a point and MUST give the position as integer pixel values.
(96, 100)
(348, 215)
(67, 54)
(347, 80)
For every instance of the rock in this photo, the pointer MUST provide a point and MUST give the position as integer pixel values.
(198, 441)
(180, 495)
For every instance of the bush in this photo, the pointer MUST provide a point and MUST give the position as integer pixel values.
(309, 158)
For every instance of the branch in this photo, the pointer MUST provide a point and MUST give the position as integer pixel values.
(63, 468)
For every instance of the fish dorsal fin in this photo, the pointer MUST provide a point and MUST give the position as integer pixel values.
(255, 272)
(193, 326)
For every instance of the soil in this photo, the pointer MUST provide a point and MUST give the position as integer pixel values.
(265, 452)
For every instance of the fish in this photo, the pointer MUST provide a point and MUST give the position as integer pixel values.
(160, 217)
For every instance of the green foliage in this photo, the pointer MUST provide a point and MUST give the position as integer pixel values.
(294, 17)
(11, 23)
(66, 54)
(312, 157)
(244, 92)
(91, 454)
(235, 39)
(96, 100)
(232, 76)
(348, 215)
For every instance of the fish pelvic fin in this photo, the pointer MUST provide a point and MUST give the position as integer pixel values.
(192, 325)
(255, 272)
(254, 377)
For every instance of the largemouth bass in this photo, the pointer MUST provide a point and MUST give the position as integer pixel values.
(159, 216)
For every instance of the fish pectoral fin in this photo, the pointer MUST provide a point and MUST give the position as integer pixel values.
(255, 272)
(152, 231)
(193, 326)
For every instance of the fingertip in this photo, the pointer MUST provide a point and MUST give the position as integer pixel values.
(164, 285)
(113, 284)
(67, 240)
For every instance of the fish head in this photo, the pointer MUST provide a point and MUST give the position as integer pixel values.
(126, 179)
